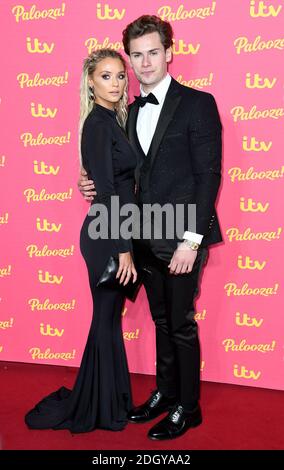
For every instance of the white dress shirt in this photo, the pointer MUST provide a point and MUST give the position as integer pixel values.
(148, 115)
(147, 120)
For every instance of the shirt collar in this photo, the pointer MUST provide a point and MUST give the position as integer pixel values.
(108, 111)
(160, 90)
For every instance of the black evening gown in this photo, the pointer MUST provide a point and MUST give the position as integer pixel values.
(101, 396)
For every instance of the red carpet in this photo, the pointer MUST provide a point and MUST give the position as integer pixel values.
(234, 417)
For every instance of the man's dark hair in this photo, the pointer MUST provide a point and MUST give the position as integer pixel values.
(144, 25)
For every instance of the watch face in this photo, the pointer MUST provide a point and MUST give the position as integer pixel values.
(194, 245)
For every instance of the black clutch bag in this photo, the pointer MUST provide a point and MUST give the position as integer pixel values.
(108, 279)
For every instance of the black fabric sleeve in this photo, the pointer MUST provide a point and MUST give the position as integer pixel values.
(96, 147)
(206, 148)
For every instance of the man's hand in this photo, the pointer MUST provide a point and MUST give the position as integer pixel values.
(86, 186)
(183, 259)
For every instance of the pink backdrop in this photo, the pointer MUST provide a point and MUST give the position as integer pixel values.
(232, 49)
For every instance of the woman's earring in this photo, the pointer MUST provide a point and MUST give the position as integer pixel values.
(91, 93)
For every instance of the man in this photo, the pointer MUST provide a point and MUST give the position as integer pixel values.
(177, 134)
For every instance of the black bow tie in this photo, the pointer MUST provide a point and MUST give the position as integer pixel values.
(142, 100)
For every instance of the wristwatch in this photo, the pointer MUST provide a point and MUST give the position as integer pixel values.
(193, 245)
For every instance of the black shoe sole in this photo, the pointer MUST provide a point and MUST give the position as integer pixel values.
(168, 438)
(146, 420)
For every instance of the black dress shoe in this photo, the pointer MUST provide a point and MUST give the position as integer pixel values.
(175, 424)
(153, 407)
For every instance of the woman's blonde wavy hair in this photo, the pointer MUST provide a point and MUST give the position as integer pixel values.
(87, 102)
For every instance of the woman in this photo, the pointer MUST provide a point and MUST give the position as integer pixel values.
(101, 397)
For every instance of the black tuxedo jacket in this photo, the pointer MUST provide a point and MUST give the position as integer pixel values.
(183, 165)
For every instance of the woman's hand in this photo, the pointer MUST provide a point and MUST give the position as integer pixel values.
(126, 268)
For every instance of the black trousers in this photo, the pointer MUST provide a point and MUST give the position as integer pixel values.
(171, 299)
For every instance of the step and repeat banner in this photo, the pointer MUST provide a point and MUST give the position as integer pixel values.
(232, 49)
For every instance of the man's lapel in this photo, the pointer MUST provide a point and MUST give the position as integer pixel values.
(170, 105)
(133, 138)
(131, 127)
(168, 110)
